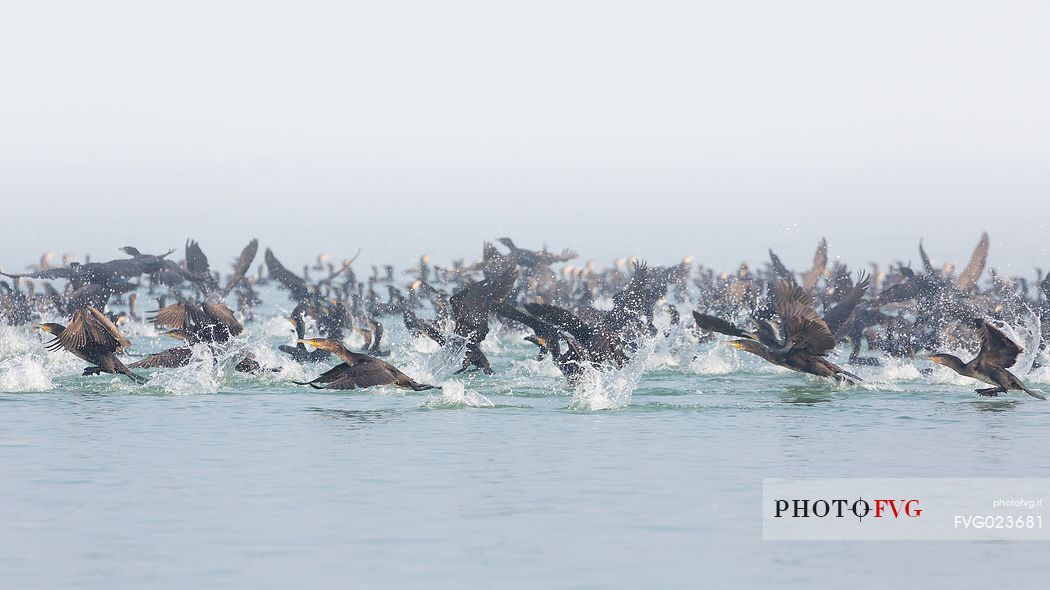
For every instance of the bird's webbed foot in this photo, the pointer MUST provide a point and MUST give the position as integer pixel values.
(990, 391)
(92, 371)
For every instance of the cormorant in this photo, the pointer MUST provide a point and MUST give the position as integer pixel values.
(803, 340)
(358, 370)
(171, 358)
(997, 354)
(93, 337)
(208, 322)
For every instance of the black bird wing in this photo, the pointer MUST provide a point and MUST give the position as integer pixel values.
(996, 348)
(51, 273)
(218, 312)
(413, 323)
(168, 359)
(837, 316)
(300, 326)
(926, 259)
(470, 313)
(196, 261)
(471, 306)
(90, 327)
(787, 291)
(768, 334)
(91, 294)
(183, 315)
(508, 311)
(715, 324)
(328, 376)
(490, 253)
(241, 266)
(779, 268)
(566, 255)
(562, 318)
(805, 331)
(366, 374)
(972, 273)
(295, 284)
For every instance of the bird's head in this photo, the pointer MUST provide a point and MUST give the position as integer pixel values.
(51, 328)
(179, 334)
(542, 343)
(948, 360)
(751, 346)
(321, 343)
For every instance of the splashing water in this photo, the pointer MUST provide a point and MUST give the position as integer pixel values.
(717, 360)
(204, 374)
(25, 373)
(1028, 336)
(611, 389)
(455, 395)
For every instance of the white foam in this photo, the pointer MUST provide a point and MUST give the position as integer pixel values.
(455, 395)
(24, 373)
(202, 375)
(610, 389)
(717, 360)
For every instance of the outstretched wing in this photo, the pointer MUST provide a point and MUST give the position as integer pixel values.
(837, 316)
(196, 261)
(715, 324)
(972, 273)
(288, 279)
(168, 359)
(996, 348)
(224, 315)
(240, 268)
(369, 374)
(778, 267)
(820, 264)
(181, 316)
(103, 331)
(90, 326)
(508, 311)
(786, 291)
(562, 318)
(926, 259)
(805, 330)
(50, 273)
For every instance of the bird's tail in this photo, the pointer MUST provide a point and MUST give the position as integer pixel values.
(1034, 394)
(850, 376)
(310, 383)
(133, 376)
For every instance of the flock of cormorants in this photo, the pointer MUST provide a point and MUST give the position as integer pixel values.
(583, 318)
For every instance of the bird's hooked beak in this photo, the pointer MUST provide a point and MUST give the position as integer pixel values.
(934, 358)
(310, 341)
(42, 328)
(736, 344)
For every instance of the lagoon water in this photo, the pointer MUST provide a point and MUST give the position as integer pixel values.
(646, 477)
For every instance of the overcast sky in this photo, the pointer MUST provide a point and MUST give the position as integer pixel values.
(657, 129)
